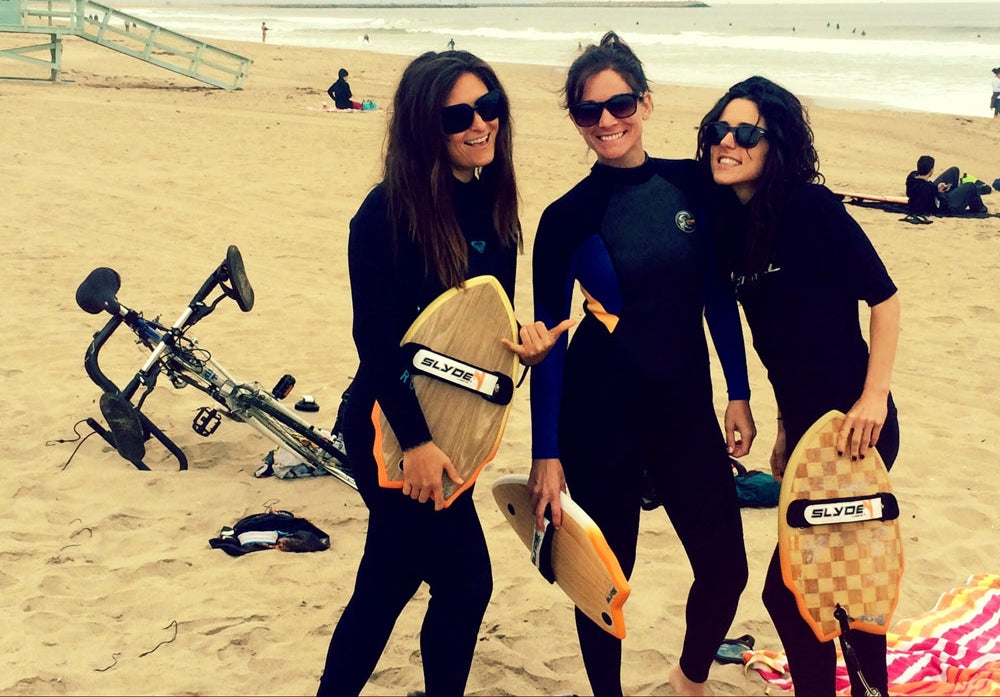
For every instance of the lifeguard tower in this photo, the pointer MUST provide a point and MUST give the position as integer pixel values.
(115, 30)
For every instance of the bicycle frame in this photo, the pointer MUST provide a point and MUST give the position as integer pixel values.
(184, 362)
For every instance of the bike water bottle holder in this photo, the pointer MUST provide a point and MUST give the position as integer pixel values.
(206, 421)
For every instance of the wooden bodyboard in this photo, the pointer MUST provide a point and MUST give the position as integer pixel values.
(465, 324)
(582, 562)
(858, 563)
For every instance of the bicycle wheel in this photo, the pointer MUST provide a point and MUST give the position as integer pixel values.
(263, 412)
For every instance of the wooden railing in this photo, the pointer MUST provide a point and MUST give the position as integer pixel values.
(121, 32)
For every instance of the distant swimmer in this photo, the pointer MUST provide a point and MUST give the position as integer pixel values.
(263, 32)
(451, 44)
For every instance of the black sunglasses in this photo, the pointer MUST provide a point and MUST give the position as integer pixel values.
(458, 117)
(745, 135)
(621, 106)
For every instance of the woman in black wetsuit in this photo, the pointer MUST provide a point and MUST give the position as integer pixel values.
(630, 397)
(800, 265)
(445, 211)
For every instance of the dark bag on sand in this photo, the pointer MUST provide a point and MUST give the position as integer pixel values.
(755, 489)
(272, 530)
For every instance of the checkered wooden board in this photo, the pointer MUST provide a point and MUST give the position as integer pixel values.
(855, 564)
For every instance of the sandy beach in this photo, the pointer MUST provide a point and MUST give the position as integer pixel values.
(108, 585)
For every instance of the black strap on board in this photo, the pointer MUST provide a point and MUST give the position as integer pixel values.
(805, 513)
(494, 387)
(541, 549)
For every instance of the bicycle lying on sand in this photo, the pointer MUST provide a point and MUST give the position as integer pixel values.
(185, 363)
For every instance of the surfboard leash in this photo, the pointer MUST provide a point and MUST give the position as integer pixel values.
(850, 657)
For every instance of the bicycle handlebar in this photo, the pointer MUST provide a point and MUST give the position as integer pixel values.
(99, 290)
(98, 293)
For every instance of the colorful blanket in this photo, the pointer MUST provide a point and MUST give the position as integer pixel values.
(954, 649)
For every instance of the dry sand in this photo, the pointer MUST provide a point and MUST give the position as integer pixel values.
(108, 585)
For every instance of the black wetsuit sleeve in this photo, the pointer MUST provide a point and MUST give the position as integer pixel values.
(847, 247)
(384, 296)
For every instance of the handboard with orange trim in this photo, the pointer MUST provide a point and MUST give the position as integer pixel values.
(463, 378)
(576, 557)
(838, 534)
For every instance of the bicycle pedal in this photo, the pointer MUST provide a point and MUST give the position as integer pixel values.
(206, 421)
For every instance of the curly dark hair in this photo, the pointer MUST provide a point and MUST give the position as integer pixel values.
(791, 157)
(417, 172)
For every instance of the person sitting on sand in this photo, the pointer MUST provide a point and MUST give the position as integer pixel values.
(946, 195)
(340, 92)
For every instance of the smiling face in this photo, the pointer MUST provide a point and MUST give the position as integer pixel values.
(474, 147)
(616, 142)
(732, 165)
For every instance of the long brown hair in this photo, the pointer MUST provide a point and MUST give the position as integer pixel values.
(417, 173)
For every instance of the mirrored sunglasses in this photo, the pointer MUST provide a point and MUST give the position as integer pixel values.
(621, 106)
(458, 117)
(746, 135)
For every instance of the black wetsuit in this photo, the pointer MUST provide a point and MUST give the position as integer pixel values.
(340, 93)
(408, 542)
(803, 315)
(632, 391)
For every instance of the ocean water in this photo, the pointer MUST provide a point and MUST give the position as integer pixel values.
(923, 56)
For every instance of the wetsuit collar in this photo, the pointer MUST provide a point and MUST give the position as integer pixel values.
(624, 176)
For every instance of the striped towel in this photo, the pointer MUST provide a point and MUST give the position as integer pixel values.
(954, 649)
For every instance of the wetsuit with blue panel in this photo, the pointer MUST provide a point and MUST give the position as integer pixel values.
(631, 393)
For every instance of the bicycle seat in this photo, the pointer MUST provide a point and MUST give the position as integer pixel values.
(98, 291)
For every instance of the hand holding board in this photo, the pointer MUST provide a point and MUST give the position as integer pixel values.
(838, 534)
(576, 556)
(463, 377)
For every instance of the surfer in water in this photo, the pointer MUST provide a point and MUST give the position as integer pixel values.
(629, 399)
(445, 211)
(800, 265)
